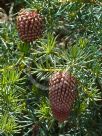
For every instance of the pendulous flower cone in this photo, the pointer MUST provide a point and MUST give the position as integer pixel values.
(29, 25)
(62, 94)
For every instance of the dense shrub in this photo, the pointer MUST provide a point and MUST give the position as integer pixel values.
(72, 41)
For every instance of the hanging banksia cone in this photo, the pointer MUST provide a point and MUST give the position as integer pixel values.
(29, 25)
(62, 94)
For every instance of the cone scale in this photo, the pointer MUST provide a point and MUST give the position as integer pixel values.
(62, 94)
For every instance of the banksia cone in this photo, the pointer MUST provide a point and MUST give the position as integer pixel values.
(29, 25)
(62, 94)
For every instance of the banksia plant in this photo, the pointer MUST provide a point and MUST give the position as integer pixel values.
(69, 103)
(29, 25)
(62, 94)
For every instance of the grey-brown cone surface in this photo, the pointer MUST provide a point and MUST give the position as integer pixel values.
(62, 94)
(29, 25)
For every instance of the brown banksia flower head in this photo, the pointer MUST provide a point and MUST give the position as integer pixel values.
(62, 94)
(35, 129)
(29, 25)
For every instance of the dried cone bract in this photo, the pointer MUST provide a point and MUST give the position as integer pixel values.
(29, 25)
(62, 94)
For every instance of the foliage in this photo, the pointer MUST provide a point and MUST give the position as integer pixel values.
(72, 41)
